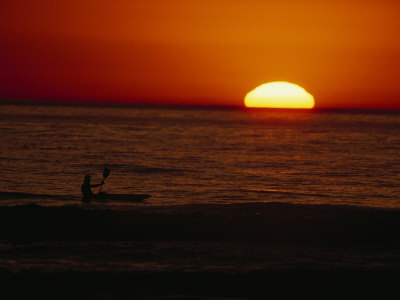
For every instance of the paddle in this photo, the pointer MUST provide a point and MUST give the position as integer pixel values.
(106, 173)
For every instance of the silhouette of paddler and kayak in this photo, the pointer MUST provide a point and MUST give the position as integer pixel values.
(88, 195)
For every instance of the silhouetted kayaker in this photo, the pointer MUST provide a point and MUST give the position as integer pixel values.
(87, 194)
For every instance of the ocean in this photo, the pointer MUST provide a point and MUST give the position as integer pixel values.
(239, 197)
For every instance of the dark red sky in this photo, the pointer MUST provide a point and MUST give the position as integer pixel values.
(346, 53)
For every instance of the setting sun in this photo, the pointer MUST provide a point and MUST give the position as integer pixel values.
(279, 94)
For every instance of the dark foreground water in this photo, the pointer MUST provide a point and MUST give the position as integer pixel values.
(244, 203)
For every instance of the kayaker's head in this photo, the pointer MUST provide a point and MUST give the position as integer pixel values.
(87, 179)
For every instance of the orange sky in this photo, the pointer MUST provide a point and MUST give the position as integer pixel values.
(346, 53)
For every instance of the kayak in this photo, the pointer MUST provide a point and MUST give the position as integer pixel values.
(103, 197)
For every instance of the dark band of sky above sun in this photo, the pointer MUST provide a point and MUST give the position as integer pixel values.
(345, 53)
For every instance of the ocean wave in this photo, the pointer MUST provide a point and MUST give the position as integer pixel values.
(286, 193)
(156, 170)
(310, 284)
(23, 195)
(237, 222)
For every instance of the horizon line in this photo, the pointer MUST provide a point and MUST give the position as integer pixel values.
(86, 103)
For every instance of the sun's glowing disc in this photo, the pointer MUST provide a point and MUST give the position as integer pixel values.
(279, 94)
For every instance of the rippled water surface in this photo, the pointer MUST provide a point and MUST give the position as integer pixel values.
(184, 155)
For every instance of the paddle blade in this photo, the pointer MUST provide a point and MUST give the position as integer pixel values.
(106, 173)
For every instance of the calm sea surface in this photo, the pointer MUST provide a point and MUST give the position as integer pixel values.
(202, 156)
